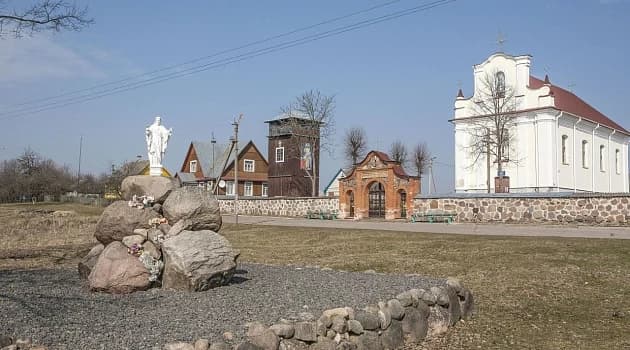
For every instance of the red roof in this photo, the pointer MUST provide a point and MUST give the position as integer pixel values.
(569, 102)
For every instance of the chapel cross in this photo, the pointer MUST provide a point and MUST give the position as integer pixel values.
(500, 41)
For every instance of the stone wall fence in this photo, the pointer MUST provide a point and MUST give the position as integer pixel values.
(278, 206)
(542, 208)
(408, 318)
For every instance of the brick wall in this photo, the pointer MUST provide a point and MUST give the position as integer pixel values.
(595, 209)
(279, 206)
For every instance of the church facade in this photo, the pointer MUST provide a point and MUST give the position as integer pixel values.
(557, 142)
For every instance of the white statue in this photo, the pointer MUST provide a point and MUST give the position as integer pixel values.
(157, 137)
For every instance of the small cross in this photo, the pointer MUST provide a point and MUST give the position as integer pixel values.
(500, 41)
(459, 84)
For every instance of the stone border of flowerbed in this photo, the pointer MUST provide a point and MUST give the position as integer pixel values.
(409, 318)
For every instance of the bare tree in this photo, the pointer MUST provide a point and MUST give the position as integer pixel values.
(420, 157)
(311, 121)
(44, 15)
(398, 152)
(355, 145)
(490, 129)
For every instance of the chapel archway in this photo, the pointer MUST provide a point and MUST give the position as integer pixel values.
(376, 200)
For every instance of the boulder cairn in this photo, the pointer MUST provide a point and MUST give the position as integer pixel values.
(162, 235)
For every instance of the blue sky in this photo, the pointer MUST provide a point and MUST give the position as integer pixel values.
(397, 79)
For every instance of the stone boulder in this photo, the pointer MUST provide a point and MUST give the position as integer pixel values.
(120, 220)
(158, 187)
(197, 261)
(87, 263)
(194, 204)
(118, 272)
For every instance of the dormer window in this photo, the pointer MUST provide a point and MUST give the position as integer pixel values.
(192, 166)
(500, 84)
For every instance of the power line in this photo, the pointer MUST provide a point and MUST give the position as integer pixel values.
(224, 62)
(250, 44)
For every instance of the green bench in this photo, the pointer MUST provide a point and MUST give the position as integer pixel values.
(321, 214)
(431, 217)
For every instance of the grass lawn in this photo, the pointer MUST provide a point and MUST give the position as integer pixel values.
(531, 293)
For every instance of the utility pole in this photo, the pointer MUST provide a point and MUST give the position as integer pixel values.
(488, 164)
(213, 141)
(236, 124)
(431, 173)
(79, 171)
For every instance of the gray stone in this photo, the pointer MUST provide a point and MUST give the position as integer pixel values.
(306, 331)
(455, 284)
(158, 187)
(197, 261)
(340, 311)
(220, 346)
(195, 204)
(467, 304)
(141, 231)
(330, 334)
(384, 316)
(453, 306)
(396, 309)
(202, 344)
(323, 344)
(178, 346)
(179, 226)
(153, 235)
(339, 324)
(393, 338)
(326, 321)
(367, 341)
(260, 335)
(355, 327)
(415, 325)
(428, 297)
(150, 248)
(119, 220)
(346, 345)
(133, 239)
(439, 320)
(283, 330)
(291, 344)
(369, 321)
(5, 340)
(86, 264)
(23, 343)
(247, 346)
(405, 298)
(164, 228)
(118, 272)
(441, 296)
(10, 347)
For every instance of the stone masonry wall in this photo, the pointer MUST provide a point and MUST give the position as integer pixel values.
(279, 206)
(592, 209)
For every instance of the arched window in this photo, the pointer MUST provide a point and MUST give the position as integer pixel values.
(602, 158)
(618, 161)
(500, 82)
(584, 154)
(565, 159)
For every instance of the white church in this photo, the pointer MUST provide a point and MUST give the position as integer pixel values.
(558, 143)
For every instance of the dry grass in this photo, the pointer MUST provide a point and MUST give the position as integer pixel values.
(531, 293)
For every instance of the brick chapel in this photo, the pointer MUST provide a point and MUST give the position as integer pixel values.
(378, 187)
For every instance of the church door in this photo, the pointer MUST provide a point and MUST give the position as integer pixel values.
(351, 201)
(377, 200)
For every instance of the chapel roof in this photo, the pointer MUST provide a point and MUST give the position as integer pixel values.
(567, 101)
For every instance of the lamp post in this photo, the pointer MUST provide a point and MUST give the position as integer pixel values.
(236, 124)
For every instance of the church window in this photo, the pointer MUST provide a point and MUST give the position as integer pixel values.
(565, 159)
(193, 166)
(602, 158)
(279, 154)
(584, 154)
(618, 161)
(500, 84)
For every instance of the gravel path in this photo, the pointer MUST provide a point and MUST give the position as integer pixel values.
(54, 308)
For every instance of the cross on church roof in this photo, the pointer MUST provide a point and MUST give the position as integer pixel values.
(500, 41)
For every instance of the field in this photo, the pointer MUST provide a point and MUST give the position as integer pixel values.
(531, 293)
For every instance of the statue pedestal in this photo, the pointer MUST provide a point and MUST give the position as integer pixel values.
(155, 171)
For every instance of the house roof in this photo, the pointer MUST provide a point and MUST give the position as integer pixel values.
(338, 175)
(567, 101)
(221, 154)
(186, 177)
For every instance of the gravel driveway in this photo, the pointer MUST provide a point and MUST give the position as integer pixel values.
(54, 308)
